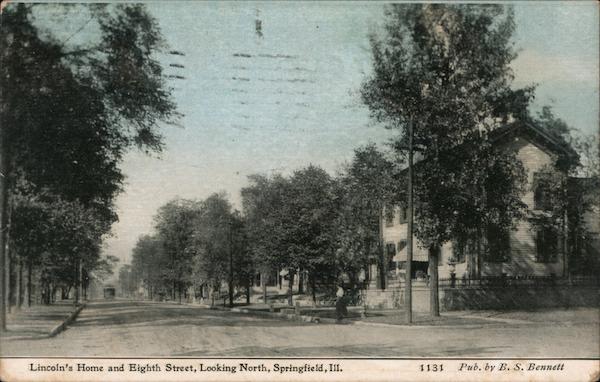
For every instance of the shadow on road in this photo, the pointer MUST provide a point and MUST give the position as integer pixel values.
(345, 351)
(165, 314)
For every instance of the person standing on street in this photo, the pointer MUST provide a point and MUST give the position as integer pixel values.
(340, 304)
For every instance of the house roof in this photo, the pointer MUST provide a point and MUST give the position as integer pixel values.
(538, 135)
(535, 133)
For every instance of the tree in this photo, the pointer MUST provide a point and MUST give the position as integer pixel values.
(149, 261)
(291, 225)
(30, 231)
(102, 270)
(264, 211)
(175, 226)
(219, 247)
(243, 269)
(128, 280)
(68, 113)
(570, 193)
(309, 216)
(367, 185)
(445, 68)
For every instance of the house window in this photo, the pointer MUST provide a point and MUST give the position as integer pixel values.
(401, 245)
(389, 220)
(460, 248)
(541, 196)
(498, 245)
(403, 214)
(546, 245)
(390, 249)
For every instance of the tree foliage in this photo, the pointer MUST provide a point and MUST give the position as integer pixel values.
(150, 263)
(445, 68)
(175, 225)
(570, 191)
(263, 203)
(367, 184)
(68, 113)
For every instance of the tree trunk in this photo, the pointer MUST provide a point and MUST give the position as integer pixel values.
(230, 292)
(279, 279)
(300, 282)
(479, 259)
(76, 299)
(29, 281)
(367, 244)
(434, 302)
(291, 288)
(381, 253)
(19, 287)
(80, 281)
(263, 281)
(46, 290)
(248, 289)
(471, 260)
(53, 293)
(8, 278)
(313, 288)
(565, 248)
(11, 264)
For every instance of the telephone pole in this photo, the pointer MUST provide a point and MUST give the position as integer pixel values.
(409, 231)
(4, 158)
(230, 263)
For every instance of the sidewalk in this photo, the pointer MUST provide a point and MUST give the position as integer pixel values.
(382, 317)
(37, 321)
(556, 316)
(395, 317)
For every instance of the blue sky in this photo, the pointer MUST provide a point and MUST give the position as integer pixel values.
(295, 101)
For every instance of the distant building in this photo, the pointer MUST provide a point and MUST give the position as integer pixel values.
(109, 292)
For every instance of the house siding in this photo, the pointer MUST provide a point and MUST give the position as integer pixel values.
(522, 240)
(398, 232)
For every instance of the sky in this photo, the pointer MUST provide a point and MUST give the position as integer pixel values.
(277, 102)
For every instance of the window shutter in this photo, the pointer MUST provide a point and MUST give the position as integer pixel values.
(539, 245)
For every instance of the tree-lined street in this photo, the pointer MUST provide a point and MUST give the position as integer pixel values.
(408, 192)
(144, 329)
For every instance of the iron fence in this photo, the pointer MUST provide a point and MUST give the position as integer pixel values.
(519, 281)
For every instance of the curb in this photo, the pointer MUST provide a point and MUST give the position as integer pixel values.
(63, 325)
(285, 316)
(317, 320)
(405, 326)
(499, 319)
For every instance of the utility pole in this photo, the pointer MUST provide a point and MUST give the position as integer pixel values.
(230, 267)
(3, 223)
(409, 230)
(77, 281)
